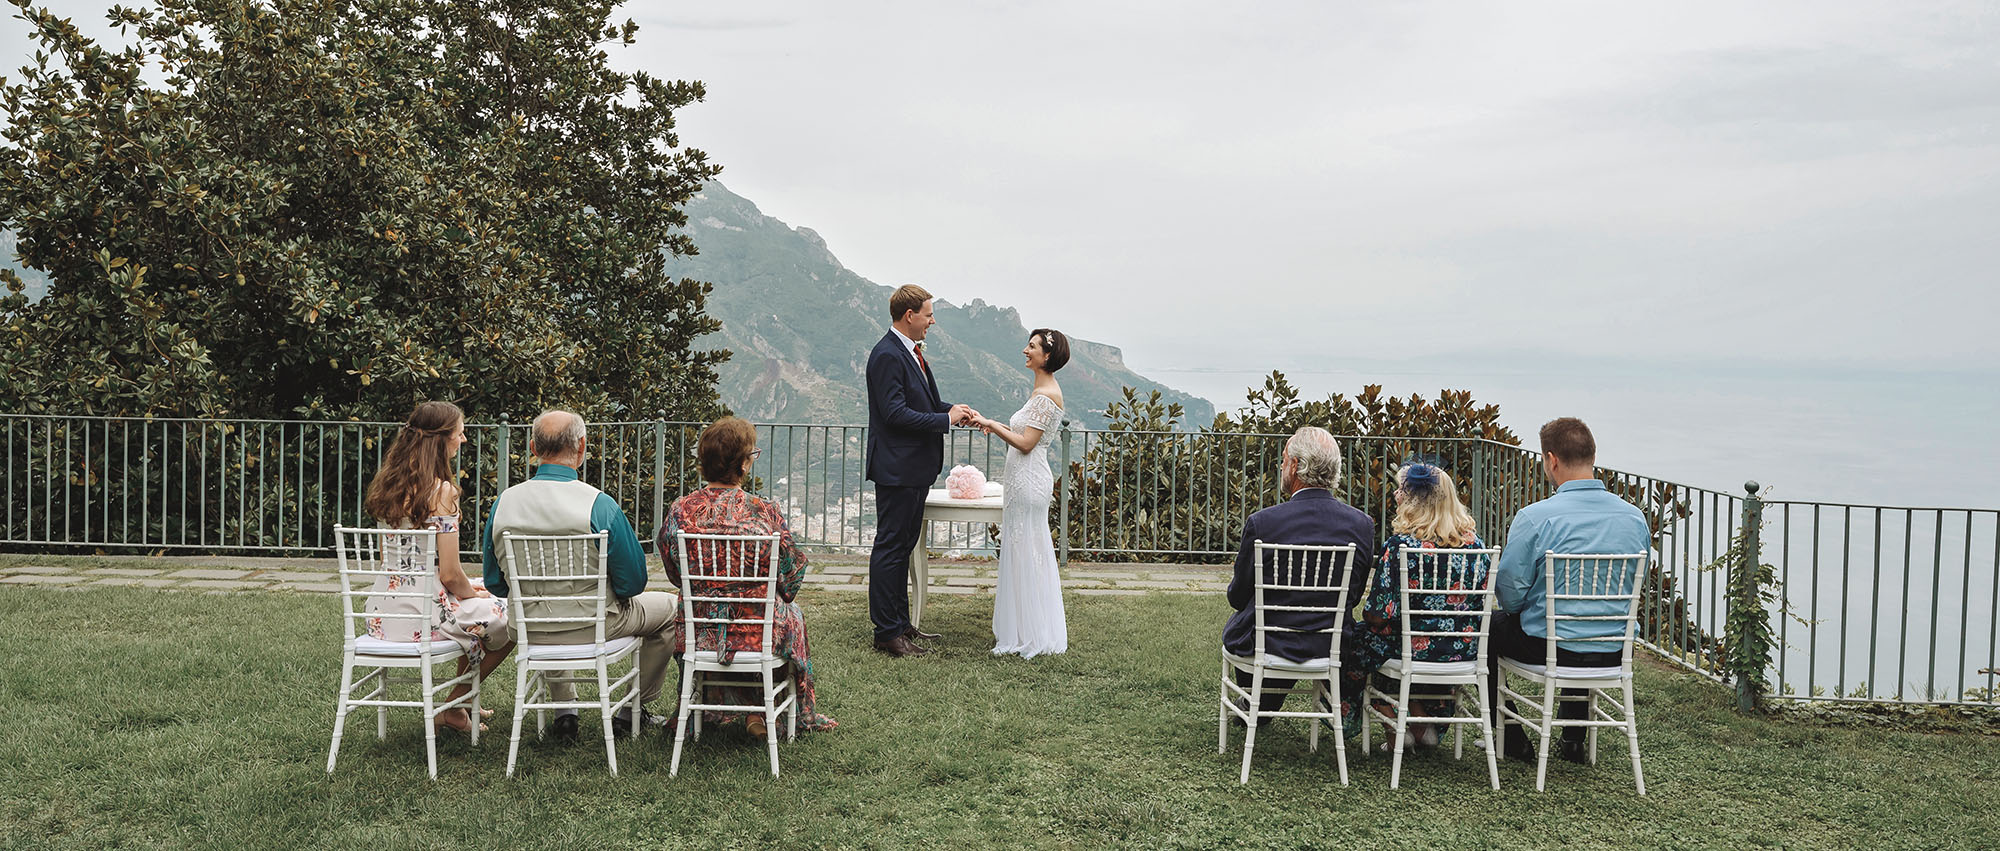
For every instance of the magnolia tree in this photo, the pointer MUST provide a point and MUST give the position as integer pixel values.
(332, 208)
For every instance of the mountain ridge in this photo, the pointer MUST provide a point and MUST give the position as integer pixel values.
(800, 324)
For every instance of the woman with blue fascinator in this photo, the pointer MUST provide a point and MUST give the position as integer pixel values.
(1428, 516)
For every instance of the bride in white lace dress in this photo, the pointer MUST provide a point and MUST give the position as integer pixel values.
(1028, 605)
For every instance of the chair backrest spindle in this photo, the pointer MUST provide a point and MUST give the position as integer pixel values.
(548, 575)
(1447, 591)
(368, 560)
(1593, 589)
(1302, 569)
(725, 578)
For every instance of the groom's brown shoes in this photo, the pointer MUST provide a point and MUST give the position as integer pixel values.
(916, 634)
(900, 646)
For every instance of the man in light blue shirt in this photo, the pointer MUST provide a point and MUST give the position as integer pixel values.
(1581, 518)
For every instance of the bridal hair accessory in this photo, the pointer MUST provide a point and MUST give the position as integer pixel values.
(1420, 479)
(965, 482)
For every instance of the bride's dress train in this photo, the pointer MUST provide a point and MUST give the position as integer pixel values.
(1028, 604)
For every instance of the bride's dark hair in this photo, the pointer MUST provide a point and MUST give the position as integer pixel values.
(1054, 345)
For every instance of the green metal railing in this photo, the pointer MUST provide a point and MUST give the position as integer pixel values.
(1882, 603)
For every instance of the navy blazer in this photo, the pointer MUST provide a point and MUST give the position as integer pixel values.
(1311, 516)
(906, 418)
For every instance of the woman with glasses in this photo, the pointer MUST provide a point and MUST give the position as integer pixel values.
(726, 450)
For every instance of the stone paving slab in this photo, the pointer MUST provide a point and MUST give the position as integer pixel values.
(314, 587)
(1150, 583)
(223, 584)
(287, 576)
(134, 581)
(41, 579)
(121, 571)
(209, 573)
(38, 569)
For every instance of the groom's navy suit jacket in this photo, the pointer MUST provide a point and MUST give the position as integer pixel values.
(1311, 516)
(906, 419)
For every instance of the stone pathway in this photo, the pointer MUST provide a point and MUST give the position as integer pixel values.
(829, 573)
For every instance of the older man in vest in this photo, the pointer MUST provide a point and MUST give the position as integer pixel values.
(556, 502)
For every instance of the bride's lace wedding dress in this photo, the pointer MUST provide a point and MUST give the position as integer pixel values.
(1028, 605)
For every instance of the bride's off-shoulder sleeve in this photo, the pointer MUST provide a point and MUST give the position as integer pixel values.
(1041, 413)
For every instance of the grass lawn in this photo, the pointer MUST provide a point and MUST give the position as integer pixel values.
(142, 719)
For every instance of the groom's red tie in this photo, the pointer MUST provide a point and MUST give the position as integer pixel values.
(919, 349)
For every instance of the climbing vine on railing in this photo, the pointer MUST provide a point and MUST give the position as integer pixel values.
(1747, 633)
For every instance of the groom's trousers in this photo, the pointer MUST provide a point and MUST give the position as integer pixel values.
(899, 516)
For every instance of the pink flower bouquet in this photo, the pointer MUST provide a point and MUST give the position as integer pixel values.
(965, 482)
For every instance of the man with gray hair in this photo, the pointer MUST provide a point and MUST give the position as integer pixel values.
(556, 502)
(1310, 515)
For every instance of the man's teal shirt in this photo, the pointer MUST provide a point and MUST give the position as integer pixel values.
(626, 562)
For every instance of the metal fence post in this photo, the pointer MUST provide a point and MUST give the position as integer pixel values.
(1062, 500)
(1746, 588)
(506, 457)
(660, 474)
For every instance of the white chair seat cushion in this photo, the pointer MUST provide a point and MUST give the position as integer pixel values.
(1395, 667)
(742, 657)
(567, 652)
(371, 646)
(1565, 672)
(1280, 663)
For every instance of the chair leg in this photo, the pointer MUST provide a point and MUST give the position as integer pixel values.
(681, 716)
(604, 709)
(1590, 711)
(770, 722)
(1312, 734)
(473, 713)
(430, 720)
(1250, 728)
(523, 695)
(1332, 694)
(1402, 732)
(1222, 714)
(1632, 738)
(1548, 729)
(340, 710)
(381, 712)
(1485, 708)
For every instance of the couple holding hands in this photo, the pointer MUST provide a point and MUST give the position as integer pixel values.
(907, 421)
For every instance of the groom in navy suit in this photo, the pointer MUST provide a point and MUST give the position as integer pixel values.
(907, 421)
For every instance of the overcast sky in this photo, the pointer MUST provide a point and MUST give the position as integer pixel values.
(1814, 181)
(1804, 181)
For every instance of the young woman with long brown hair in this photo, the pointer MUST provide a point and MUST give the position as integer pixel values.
(416, 488)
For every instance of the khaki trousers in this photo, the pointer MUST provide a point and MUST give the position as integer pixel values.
(652, 616)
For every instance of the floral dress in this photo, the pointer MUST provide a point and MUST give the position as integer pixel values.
(1365, 646)
(730, 511)
(475, 625)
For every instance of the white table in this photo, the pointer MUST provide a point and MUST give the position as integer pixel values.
(940, 507)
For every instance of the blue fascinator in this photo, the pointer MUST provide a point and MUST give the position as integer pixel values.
(1420, 479)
